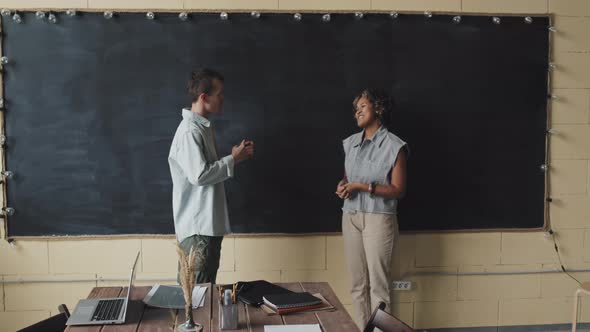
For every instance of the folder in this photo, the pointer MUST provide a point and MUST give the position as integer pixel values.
(251, 292)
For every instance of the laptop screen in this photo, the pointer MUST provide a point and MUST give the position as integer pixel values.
(131, 279)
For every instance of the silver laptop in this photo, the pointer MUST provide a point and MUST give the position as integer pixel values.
(105, 310)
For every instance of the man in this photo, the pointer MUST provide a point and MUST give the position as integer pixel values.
(198, 194)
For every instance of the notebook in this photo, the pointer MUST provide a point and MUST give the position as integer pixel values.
(326, 306)
(103, 311)
(291, 302)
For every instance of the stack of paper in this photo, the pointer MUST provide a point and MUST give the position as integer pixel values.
(293, 328)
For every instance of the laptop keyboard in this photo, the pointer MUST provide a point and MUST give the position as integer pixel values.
(108, 309)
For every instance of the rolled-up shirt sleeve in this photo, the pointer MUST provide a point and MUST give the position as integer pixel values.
(191, 159)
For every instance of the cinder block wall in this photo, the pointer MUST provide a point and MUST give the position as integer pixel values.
(436, 301)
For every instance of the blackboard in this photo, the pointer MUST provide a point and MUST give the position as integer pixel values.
(92, 105)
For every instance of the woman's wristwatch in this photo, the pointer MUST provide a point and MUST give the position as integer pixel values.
(372, 186)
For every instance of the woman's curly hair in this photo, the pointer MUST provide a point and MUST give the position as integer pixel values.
(382, 103)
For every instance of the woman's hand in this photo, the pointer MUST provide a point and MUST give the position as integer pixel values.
(341, 189)
(346, 190)
(352, 187)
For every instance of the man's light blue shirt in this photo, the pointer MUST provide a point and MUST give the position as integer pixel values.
(199, 204)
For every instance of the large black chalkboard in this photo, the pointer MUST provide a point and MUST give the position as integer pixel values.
(92, 105)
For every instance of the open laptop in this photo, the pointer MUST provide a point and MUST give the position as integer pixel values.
(105, 310)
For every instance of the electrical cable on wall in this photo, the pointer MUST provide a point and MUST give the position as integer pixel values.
(545, 167)
(552, 235)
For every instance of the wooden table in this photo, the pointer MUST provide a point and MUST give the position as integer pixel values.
(141, 318)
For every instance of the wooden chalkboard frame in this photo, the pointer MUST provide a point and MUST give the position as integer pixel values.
(5, 183)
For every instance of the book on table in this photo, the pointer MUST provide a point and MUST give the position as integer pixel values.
(291, 302)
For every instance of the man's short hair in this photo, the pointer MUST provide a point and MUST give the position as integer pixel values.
(201, 81)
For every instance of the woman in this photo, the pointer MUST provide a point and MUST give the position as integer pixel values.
(375, 178)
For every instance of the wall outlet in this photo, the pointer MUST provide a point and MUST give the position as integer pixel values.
(402, 285)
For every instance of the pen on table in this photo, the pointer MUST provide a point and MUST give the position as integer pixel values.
(227, 297)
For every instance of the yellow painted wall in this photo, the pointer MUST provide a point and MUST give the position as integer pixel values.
(436, 301)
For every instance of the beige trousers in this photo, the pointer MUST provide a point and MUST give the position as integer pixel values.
(369, 239)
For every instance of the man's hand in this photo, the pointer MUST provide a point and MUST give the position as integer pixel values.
(242, 152)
